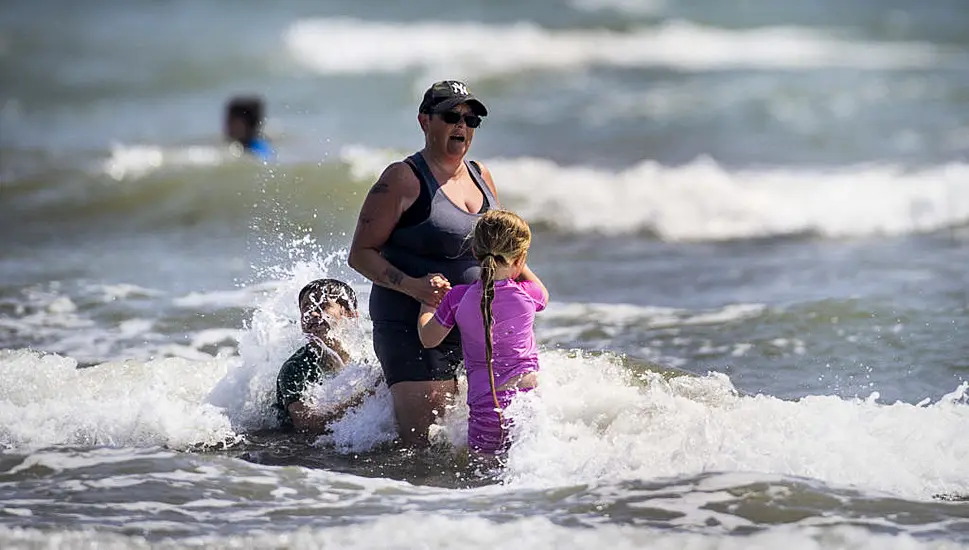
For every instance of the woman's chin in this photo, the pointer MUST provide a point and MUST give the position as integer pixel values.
(456, 149)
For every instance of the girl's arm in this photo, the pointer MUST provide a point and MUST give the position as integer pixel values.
(528, 275)
(431, 332)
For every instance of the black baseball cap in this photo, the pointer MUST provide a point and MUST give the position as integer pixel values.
(444, 95)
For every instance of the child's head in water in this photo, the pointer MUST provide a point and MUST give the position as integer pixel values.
(243, 119)
(324, 302)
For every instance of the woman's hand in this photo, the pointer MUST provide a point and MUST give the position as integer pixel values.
(429, 289)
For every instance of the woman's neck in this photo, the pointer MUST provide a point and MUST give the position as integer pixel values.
(443, 164)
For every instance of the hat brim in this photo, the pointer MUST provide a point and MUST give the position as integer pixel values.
(477, 107)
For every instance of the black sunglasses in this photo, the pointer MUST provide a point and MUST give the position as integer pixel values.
(452, 117)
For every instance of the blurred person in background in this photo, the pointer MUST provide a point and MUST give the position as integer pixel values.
(244, 116)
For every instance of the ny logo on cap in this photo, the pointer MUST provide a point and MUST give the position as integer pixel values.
(459, 88)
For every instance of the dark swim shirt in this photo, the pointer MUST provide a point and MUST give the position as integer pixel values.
(309, 365)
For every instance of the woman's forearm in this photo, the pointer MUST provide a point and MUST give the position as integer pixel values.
(369, 263)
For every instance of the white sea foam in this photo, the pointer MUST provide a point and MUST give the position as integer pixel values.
(423, 530)
(121, 291)
(591, 420)
(343, 45)
(365, 426)
(243, 297)
(703, 201)
(46, 400)
(65, 320)
(137, 161)
(620, 316)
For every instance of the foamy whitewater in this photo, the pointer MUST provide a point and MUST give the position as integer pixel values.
(681, 451)
(703, 201)
(753, 222)
(349, 45)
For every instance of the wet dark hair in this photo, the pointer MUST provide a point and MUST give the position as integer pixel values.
(332, 290)
(247, 108)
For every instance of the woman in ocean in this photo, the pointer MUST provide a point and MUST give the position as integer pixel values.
(496, 316)
(411, 229)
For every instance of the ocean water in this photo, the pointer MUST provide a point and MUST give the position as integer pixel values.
(753, 218)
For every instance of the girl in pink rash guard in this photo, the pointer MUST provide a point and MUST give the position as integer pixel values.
(495, 316)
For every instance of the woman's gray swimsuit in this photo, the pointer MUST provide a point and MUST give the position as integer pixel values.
(432, 236)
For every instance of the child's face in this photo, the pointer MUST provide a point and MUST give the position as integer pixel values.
(318, 315)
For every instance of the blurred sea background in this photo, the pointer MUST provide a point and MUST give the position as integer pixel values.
(772, 196)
